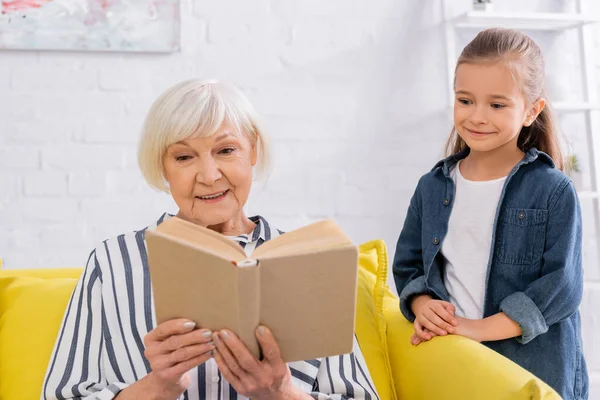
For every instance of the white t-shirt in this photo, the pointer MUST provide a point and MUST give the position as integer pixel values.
(467, 245)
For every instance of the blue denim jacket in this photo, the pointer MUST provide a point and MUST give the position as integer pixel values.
(534, 274)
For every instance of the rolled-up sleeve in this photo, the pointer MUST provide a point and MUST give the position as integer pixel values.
(557, 293)
(76, 370)
(408, 260)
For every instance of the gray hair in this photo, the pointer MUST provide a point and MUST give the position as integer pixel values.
(196, 108)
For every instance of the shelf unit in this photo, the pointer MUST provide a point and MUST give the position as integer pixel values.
(524, 21)
(570, 107)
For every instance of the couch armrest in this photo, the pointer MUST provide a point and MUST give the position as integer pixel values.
(454, 367)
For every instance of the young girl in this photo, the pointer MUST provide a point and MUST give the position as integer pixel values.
(491, 244)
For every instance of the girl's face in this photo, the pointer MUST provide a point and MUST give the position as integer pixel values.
(489, 107)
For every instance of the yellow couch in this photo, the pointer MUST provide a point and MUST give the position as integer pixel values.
(32, 303)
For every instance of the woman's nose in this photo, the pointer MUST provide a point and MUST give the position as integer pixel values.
(208, 172)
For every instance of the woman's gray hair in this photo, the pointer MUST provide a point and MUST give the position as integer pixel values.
(196, 108)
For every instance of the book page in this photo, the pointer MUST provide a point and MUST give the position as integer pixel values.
(189, 281)
(308, 301)
(201, 237)
(316, 237)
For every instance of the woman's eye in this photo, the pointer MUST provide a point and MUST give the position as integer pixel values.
(464, 101)
(496, 105)
(227, 150)
(182, 158)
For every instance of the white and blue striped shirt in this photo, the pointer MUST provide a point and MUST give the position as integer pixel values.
(100, 351)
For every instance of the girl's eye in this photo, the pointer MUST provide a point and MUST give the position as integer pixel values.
(497, 105)
(464, 101)
(182, 158)
(227, 150)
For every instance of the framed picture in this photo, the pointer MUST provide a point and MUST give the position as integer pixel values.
(95, 25)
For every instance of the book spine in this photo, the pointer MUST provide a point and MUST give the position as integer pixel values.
(247, 263)
(248, 285)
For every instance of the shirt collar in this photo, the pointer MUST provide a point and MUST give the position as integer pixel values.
(530, 156)
(262, 230)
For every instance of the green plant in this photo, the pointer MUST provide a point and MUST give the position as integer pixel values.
(573, 164)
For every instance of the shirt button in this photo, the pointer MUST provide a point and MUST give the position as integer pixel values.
(215, 379)
(446, 202)
(521, 215)
(436, 241)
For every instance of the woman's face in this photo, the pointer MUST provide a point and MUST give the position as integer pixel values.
(210, 177)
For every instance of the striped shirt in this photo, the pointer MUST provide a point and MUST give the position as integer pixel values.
(100, 351)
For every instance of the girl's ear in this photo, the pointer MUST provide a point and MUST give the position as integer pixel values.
(534, 111)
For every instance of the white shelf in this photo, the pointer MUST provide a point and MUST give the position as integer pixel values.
(524, 21)
(588, 194)
(591, 286)
(574, 107)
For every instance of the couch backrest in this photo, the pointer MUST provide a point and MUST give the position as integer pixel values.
(32, 305)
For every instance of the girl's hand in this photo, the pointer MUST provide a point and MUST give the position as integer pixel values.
(436, 316)
(471, 328)
(269, 379)
(474, 329)
(415, 340)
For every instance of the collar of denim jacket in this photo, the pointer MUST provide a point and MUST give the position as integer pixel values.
(532, 154)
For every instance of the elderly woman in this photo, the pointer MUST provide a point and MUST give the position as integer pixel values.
(201, 143)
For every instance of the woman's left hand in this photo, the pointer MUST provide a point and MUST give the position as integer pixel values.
(269, 379)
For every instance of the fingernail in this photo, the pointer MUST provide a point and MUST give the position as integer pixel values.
(454, 322)
(206, 334)
(225, 335)
(215, 338)
(189, 325)
(212, 345)
(261, 330)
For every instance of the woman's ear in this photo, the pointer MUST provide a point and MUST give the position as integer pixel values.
(254, 155)
(534, 111)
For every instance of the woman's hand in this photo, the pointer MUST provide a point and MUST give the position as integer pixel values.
(172, 349)
(433, 317)
(269, 379)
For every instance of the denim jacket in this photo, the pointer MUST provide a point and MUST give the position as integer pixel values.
(534, 273)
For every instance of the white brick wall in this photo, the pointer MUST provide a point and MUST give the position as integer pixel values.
(352, 93)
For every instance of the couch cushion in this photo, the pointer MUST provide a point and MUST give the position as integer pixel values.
(31, 312)
(370, 322)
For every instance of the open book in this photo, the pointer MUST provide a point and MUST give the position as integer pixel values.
(301, 285)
